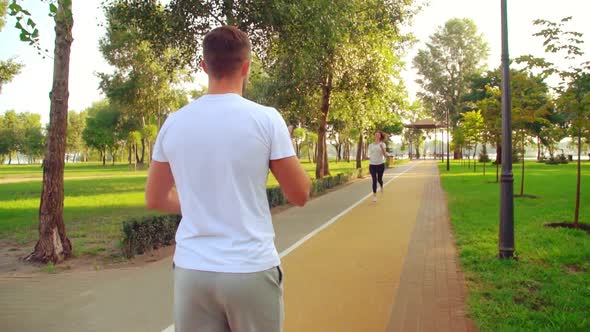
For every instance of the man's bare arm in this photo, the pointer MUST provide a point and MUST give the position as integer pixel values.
(159, 191)
(292, 178)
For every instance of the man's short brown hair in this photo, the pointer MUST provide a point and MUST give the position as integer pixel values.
(224, 50)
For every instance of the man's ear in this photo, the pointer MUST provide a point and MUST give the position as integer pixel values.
(204, 66)
(245, 68)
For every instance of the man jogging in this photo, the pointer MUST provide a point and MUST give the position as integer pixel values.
(210, 164)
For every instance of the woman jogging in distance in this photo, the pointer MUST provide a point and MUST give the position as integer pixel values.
(377, 156)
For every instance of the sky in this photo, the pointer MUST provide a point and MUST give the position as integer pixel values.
(29, 91)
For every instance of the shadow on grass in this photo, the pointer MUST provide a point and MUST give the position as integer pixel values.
(74, 188)
(570, 225)
(526, 196)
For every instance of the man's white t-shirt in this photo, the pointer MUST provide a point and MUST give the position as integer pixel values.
(219, 147)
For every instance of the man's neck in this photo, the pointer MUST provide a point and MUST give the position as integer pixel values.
(223, 86)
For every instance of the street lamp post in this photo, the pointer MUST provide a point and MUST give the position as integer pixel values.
(506, 234)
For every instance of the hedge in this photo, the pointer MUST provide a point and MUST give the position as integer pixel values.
(141, 235)
(144, 234)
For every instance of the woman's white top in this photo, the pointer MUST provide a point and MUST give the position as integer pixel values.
(376, 156)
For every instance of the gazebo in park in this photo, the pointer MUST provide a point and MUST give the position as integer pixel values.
(428, 125)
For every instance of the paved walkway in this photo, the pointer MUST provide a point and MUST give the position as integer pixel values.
(350, 265)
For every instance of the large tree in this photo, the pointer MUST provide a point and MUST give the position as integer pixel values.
(327, 54)
(102, 129)
(530, 110)
(53, 244)
(144, 83)
(473, 125)
(454, 53)
(575, 104)
(12, 134)
(574, 86)
(76, 125)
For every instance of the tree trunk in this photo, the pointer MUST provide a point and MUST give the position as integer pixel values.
(578, 183)
(129, 154)
(135, 160)
(150, 150)
(141, 161)
(321, 164)
(474, 158)
(522, 179)
(104, 158)
(10, 158)
(53, 244)
(538, 148)
(359, 151)
(498, 153)
(348, 147)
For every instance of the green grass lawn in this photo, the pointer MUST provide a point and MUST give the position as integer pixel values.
(548, 288)
(94, 208)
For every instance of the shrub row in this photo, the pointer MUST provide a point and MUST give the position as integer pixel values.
(561, 159)
(144, 234)
(141, 235)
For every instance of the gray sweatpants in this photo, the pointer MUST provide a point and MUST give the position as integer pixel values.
(228, 302)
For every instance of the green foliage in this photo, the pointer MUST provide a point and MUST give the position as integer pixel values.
(60, 10)
(141, 235)
(574, 103)
(473, 124)
(21, 133)
(101, 127)
(454, 53)
(149, 132)
(76, 126)
(3, 11)
(8, 69)
(49, 268)
(134, 137)
(145, 83)
(392, 128)
(299, 134)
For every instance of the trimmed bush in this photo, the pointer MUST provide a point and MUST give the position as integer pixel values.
(141, 235)
(563, 159)
(484, 158)
(275, 196)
